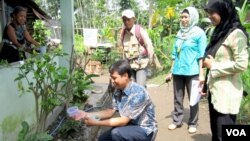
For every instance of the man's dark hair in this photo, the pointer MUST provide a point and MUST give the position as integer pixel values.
(121, 67)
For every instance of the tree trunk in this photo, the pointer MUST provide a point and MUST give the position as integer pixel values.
(150, 11)
(42, 122)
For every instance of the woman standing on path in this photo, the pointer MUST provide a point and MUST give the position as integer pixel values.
(226, 56)
(188, 50)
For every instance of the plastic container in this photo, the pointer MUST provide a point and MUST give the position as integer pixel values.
(43, 49)
(72, 111)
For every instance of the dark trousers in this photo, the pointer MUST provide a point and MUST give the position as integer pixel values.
(125, 133)
(180, 82)
(217, 120)
(10, 54)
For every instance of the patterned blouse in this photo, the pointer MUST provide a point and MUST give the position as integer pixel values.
(224, 78)
(134, 102)
(19, 30)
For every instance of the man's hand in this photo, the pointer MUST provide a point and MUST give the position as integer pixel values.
(90, 120)
(81, 115)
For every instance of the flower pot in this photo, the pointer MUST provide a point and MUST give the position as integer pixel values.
(43, 49)
(94, 67)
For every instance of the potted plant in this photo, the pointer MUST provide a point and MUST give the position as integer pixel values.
(94, 65)
(41, 34)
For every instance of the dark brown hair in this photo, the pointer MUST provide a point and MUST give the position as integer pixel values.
(17, 10)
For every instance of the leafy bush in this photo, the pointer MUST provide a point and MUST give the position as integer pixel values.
(244, 114)
(98, 55)
(26, 134)
(51, 84)
(41, 32)
(81, 82)
(47, 83)
(68, 127)
(79, 46)
(162, 46)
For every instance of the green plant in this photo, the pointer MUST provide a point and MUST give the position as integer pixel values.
(244, 114)
(114, 55)
(51, 84)
(41, 32)
(162, 46)
(68, 127)
(107, 35)
(243, 11)
(46, 81)
(98, 55)
(79, 46)
(81, 82)
(10, 125)
(27, 134)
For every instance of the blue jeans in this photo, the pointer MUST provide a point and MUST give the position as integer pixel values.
(125, 133)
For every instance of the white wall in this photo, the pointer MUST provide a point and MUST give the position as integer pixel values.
(14, 108)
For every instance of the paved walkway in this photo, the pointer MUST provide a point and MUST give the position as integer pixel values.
(162, 97)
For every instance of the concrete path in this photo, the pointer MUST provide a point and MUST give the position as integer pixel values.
(162, 97)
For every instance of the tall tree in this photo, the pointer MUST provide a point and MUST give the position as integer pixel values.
(51, 7)
(125, 4)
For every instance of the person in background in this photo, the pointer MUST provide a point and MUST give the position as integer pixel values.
(137, 120)
(187, 54)
(139, 55)
(14, 37)
(226, 57)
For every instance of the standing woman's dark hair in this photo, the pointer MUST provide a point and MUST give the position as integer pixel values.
(229, 21)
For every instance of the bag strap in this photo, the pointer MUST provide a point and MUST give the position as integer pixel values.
(137, 35)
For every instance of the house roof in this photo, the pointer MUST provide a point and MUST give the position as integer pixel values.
(31, 5)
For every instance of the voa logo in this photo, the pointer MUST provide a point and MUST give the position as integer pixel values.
(236, 132)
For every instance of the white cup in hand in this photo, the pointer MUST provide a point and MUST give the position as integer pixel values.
(73, 111)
